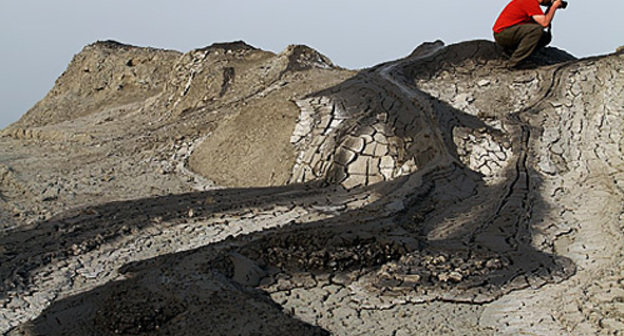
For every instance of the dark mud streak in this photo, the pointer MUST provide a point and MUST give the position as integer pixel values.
(228, 79)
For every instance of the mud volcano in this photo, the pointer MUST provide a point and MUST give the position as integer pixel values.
(234, 191)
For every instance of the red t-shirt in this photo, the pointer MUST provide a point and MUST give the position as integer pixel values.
(517, 12)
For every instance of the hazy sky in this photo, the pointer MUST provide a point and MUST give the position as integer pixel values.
(39, 37)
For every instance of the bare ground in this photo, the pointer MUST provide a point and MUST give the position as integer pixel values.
(253, 193)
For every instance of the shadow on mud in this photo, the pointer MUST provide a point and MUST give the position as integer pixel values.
(215, 289)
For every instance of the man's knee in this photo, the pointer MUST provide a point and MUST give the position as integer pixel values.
(533, 35)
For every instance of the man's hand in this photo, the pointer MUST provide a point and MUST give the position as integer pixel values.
(556, 4)
(545, 20)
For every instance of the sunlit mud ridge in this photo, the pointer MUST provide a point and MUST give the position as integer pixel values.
(435, 194)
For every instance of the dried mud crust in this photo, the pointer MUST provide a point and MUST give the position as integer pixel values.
(440, 194)
(268, 119)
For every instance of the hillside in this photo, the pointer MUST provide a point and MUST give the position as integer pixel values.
(238, 191)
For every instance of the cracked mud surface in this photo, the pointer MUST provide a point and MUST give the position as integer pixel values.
(252, 193)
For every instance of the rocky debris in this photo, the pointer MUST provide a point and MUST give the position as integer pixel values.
(335, 251)
(436, 194)
(124, 317)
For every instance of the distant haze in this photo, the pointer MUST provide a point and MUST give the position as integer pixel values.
(40, 37)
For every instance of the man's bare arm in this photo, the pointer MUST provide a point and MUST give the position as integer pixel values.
(546, 20)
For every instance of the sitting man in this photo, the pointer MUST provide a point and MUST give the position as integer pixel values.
(520, 28)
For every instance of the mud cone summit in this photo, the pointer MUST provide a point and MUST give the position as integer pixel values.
(235, 191)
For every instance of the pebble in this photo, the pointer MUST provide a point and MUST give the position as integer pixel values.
(484, 82)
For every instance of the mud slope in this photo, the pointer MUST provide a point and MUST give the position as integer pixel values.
(250, 193)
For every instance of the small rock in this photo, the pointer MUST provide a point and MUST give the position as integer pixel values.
(494, 264)
(439, 260)
(455, 276)
(76, 250)
(444, 277)
(413, 278)
(483, 82)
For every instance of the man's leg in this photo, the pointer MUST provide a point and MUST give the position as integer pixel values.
(507, 40)
(545, 40)
(523, 39)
